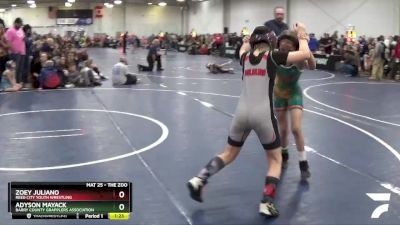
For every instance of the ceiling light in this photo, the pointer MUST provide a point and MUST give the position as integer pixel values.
(109, 5)
(31, 2)
(180, 0)
(68, 4)
(13, 5)
(149, 3)
(162, 4)
(2, 10)
(118, 2)
(32, 5)
(71, 1)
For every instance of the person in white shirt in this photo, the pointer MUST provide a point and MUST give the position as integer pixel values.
(120, 74)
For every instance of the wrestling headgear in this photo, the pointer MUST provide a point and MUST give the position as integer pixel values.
(262, 34)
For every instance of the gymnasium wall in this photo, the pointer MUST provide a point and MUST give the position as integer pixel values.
(213, 15)
(251, 13)
(370, 17)
(139, 18)
(206, 17)
(151, 20)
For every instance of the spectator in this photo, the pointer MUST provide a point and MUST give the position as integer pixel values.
(363, 53)
(378, 60)
(120, 75)
(88, 77)
(8, 81)
(124, 42)
(368, 58)
(277, 24)
(3, 49)
(335, 35)
(218, 41)
(29, 52)
(62, 70)
(36, 69)
(396, 60)
(49, 77)
(313, 43)
(15, 36)
(327, 43)
(387, 48)
(341, 41)
(48, 46)
(204, 50)
(72, 59)
(350, 64)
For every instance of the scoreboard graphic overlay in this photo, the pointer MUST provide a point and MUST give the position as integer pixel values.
(70, 200)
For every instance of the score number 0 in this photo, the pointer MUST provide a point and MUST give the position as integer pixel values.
(121, 195)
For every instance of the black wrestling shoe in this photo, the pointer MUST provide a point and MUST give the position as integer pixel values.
(304, 170)
(268, 209)
(195, 186)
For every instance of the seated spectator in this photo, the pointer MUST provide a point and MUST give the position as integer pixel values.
(36, 69)
(194, 48)
(82, 57)
(62, 70)
(48, 46)
(72, 58)
(49, 77)
(218, 41)
(73, 74)
(204, 50)
(88, 76)
(350, 64)
(8, 81)
(120, 75)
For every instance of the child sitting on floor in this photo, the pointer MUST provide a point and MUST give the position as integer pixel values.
(49, 77)
(8, 81)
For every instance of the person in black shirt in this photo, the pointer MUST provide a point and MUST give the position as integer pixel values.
(124, 42)
(36, 68)
(277, 24)
(327, 44)
(29, 50)
(152, 57)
